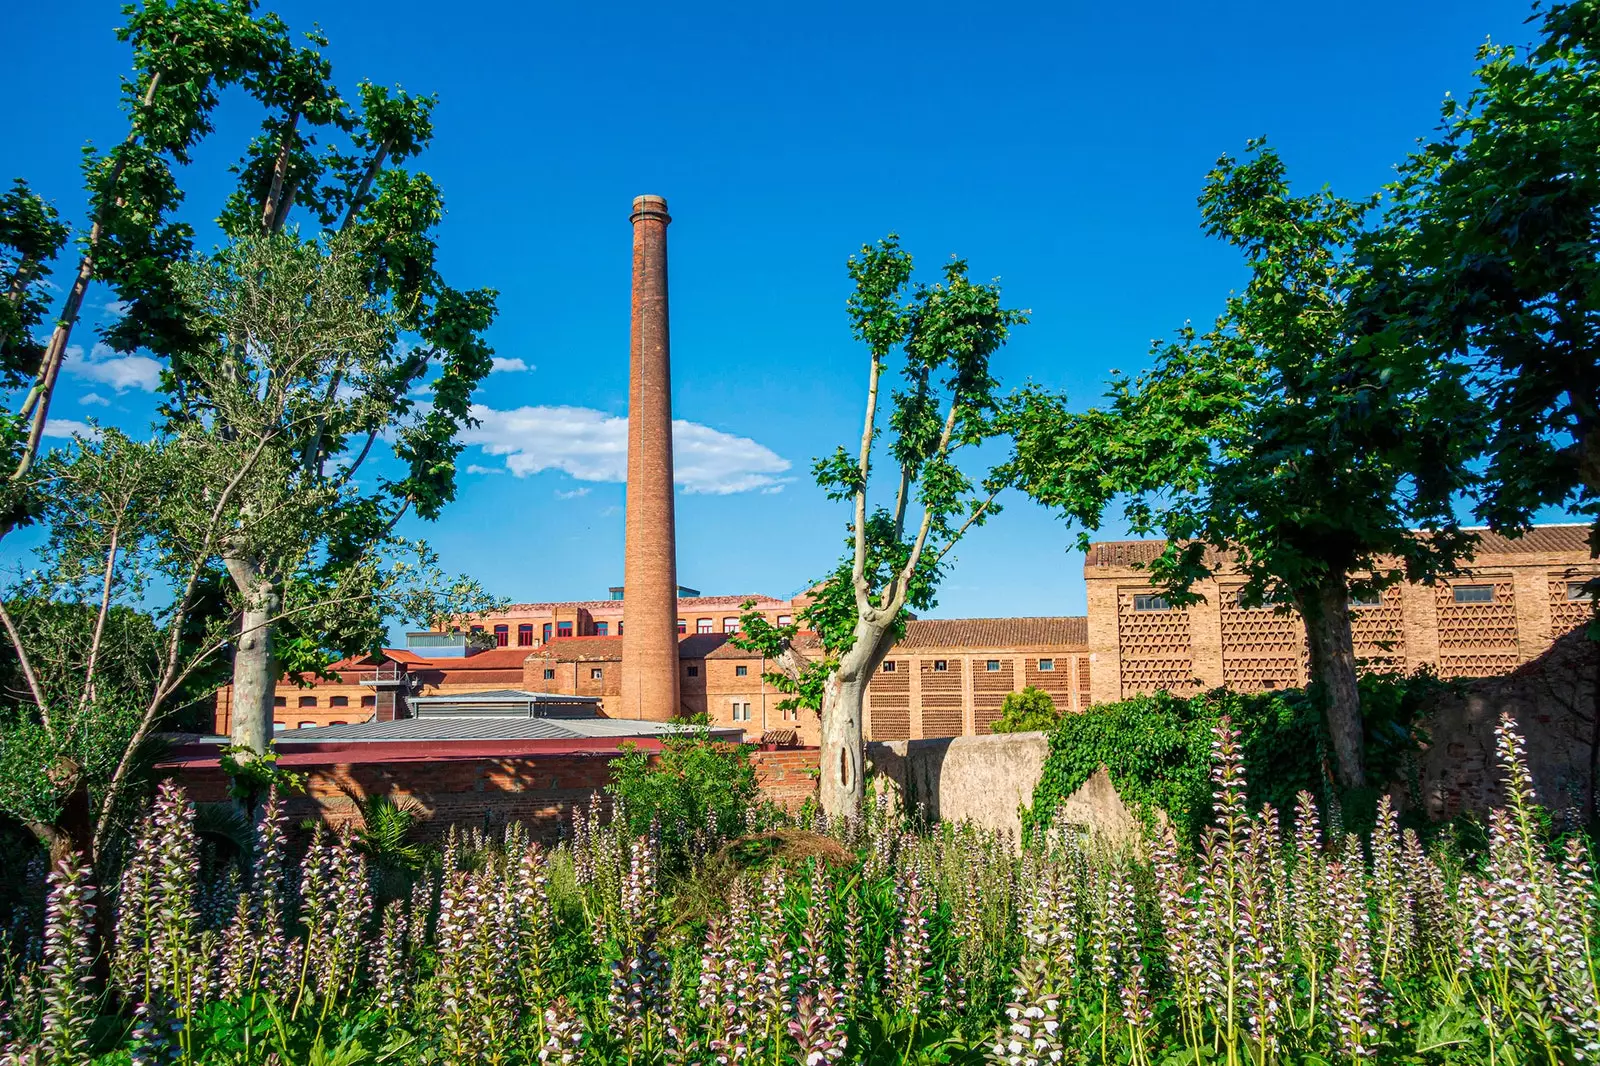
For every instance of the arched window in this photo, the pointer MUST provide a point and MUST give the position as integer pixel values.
(502, 636)
(525, 635)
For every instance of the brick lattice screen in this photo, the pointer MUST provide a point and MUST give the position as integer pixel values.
(1478, 639)
(1155, 648)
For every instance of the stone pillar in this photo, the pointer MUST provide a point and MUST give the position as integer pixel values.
(650, 571)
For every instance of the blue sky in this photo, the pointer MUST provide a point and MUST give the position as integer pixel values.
(1059, 147)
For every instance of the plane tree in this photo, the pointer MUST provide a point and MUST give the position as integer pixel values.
(911, 502)
(1291, 443)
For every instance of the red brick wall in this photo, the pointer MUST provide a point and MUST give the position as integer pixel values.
(787, 777)
(540, 791)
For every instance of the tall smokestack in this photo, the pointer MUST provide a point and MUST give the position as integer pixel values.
(650, 565)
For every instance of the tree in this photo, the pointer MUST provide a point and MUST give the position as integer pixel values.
(1289, 444)
(185, 52)
(945, 335)
(1029, 711)
(90, 674)
(1491, 254)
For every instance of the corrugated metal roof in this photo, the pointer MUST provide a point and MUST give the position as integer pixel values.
(492, 728)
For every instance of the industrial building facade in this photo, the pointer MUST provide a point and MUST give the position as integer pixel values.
(949, 677)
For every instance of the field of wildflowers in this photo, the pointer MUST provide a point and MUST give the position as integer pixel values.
(1281, 941)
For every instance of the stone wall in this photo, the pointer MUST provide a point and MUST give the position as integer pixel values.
(982, 779)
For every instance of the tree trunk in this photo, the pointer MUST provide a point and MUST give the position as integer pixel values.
(841, 784)
(255, 675)
(1333, 664)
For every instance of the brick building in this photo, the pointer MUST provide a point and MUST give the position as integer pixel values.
(1517, 597)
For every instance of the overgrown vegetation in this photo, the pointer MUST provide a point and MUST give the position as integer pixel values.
(1029, 711)
(863, 939)
(694, 792)
(1157, 749)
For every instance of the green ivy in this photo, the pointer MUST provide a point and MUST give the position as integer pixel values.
(1157, 749)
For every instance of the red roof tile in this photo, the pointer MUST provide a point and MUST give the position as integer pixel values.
(1552, 539)
(1059, 632)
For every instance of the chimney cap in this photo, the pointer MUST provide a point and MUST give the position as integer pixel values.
(650, 207)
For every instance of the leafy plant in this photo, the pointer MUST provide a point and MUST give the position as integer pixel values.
(1029, 711)
(696, 785)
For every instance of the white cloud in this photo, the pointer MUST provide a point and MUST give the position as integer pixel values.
(117, 308)
(69, 427)
(94, 399)
(591, 445)
(506, 365)
(573, 495)
(121, 372)
(474, 468)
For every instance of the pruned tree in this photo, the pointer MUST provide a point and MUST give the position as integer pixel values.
(1290, 444)
(902, 532)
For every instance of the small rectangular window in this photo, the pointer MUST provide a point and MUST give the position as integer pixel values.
(1580, 590)
(702, 625)
(477, 629)
(741, 671)
(547, 628)
(889, 666)
(563, 629)
(549, 675)
(683, 625)
(596, 673)
(993, 666)
(308, 701)
(1047, 665)
(602, 629)
(338, 701)
(369, 701)
(940, 666)
(785, 620)
(694, 671)
(1365, 599)
(277, 726)
(280, 701)
(730, 625)
(1473, 593)
(1151, 603)
(305, 725)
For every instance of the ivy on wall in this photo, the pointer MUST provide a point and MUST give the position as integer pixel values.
(1157, 749)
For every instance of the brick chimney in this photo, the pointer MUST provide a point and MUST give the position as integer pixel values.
(650, 566)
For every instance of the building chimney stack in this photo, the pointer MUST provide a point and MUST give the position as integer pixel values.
(650, 566)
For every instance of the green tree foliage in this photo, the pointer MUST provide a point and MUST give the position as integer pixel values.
(693, 781)
(1029, 711)
(1490, 255)
(945, 335)
(1158, 750)
(1288, 443)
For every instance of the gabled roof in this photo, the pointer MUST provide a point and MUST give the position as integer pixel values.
(1555, 539)
(1057, 632)
(574, 649)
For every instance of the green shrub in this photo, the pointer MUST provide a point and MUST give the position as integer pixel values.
(1157, 749)
(1029, 711)
(694, 780)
